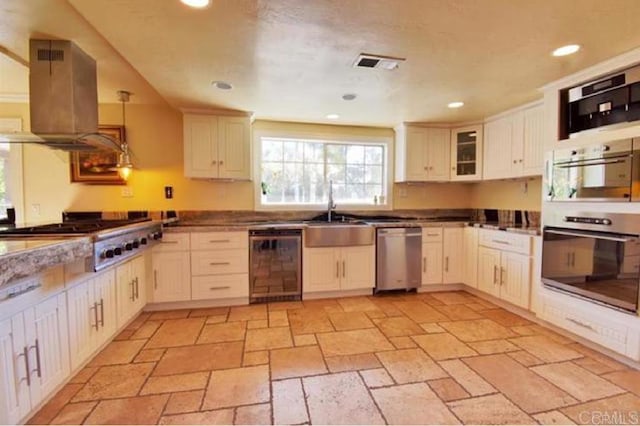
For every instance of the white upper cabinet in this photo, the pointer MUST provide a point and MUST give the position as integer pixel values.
(466, 153)
(422, 154)
(217, 147)
(534, 130)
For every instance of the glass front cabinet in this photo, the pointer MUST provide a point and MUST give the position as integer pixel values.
(466, 153)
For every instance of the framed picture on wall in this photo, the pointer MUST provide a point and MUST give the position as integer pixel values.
(98, 167)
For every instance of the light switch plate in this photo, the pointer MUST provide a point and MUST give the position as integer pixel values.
(127, 192)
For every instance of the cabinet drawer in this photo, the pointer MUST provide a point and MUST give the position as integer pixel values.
(506, 241)
(219, 240)
(220, 286)
(173, 242)
(431, 235)
(212, 262)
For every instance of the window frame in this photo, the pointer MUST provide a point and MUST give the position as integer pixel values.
(338, 138)
(15, 185)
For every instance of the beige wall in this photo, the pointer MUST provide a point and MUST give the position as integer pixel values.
(154, 133)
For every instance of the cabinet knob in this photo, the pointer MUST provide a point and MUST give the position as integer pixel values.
(453, 168)
(214, 162)
(515, 161)
(520, 160)
(220, 162)
(426, 168)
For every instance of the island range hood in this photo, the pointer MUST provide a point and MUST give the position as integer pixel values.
(63, 99)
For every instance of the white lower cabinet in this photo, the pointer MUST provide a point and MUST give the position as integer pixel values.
(130, 289)
(431, 263)
(452, 245)
(338, 268)
(171, 277)
(505, 275)
(470, 257)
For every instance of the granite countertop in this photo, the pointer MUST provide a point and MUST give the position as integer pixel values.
(21, 258)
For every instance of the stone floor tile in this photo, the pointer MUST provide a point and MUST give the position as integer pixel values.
(190, 359)
(576, 381)
(278, 319)
(350, 320)
(177, 383)
(516, 383)
(505, 318)
(253, 415)
(443, 346)
(184, 402)
(84, 375)
(253, 324)
(268, 338)
(420, 312)
(340, 399)
(289, 406)
(74, 413)
(386, 306)
(255, 358)
(305, 339)
(545, 348)
(237, 386)
(412, 404)
(536, 330)
(224, 332)
(601, 358)
(398, 326)
(248, 313)
(215, 417)
(116, 381)
(453, 297)
(209, 312)
(525, 358)
(142, 410)
(488, 347)
(469, 379)
(177, 332)
(149, 355)
(327, 305)
(448, 389)
(403, 342)
(458, 312)
(376, 314)
(284, 306)
(376, 378)
(338, 364)
(357, 304)
(621, 409)
(146, 330)
(488, 410)
(166, 315)
(595, 366)
(476, 330)
(296, 362)
(51, 409)
(119, 352)
(308, 321)
(553, 418)
(429, 299)
(432, 328)
(627, 379)
(353, 342)
(216, 319)
(410, 365)
(124, 335)
(139, 321)
(478, 307)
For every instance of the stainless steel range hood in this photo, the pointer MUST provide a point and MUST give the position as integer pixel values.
(63, 99)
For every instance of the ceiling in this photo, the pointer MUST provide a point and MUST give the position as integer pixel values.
(292, 59)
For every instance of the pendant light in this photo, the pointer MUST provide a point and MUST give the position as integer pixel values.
(124, 165)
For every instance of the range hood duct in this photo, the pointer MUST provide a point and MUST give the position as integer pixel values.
(63, 99)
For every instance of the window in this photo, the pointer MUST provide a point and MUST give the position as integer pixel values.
(11, 191)
(297, 172)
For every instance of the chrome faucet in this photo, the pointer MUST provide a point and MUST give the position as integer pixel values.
(330, 205)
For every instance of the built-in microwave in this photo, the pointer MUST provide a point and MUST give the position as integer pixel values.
(603, 172)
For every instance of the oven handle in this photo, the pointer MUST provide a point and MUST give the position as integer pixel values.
(588, 235)
(275, 237)
(585, 164)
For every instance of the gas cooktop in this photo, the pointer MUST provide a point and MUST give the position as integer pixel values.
(72, 227)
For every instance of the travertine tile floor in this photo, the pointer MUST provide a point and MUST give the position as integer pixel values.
(439, 358)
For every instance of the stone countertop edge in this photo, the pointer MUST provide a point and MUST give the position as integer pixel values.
(532, 230)
(226, 227)
(26, 262)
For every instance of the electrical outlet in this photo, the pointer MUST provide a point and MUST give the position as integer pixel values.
(127, 192)
(525, 187)
(35, 209)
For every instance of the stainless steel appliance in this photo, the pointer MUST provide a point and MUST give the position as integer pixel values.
(604, 102)
(594, 256)
(114, 240)
(603, 172)
(275, 258)
(398, 256)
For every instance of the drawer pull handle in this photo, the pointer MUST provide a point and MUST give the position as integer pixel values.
(38, 369)
(433, 235)
(219, 263)
(502, 272)
(219, 288)
(446, 264)
(101, 304)
(169, 242)
(155, 279)
(219, 241)
(495, 274)
(337, 269)
(94, 308)
(344, 269)
(424, 264)
(580, 324)
(25, 354)
(501, 242)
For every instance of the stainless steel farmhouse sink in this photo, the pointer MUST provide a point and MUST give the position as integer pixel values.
(332, 234)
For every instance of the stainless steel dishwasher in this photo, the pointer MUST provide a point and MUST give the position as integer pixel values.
(398, 255)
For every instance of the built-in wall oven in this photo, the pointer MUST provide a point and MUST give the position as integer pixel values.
(594, 256)
(602, 172)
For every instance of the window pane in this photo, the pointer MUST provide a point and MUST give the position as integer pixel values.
(373, 191)
(373, 174)
(313, 182)
(336, 154)
(373, 154)
(336, 173)
(355, 174)
(313, 152)
(292, 182)
(271, 150)
(355, 154)
(293, 151)
(272, 181)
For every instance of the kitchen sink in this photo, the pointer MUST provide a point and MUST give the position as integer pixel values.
(333, 234)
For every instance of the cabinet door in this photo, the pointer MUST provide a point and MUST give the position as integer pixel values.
(234, 143)
(171, 277)
(139, 275)
(358, 269)
(515, 279)
(321, 269)
(104, 290)
(125, 293)
(533, 155)
(498, 135)
(438, 150)
(489, 271)
(431, 263)
(200, 146)
(83, 322)
(416, 154)
(14, 390)
(452, 255)
(470, 257)
(48, 342)
(466, 153)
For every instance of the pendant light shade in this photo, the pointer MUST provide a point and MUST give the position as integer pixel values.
(124, 166)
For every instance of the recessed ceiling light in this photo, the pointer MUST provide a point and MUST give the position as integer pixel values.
(198, 4)
(222, 85)
(349, 96)
(456, 104)
(333, 116)
(566, 50)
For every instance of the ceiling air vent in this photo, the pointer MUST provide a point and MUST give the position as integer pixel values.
(365, 60)
(50, 55)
